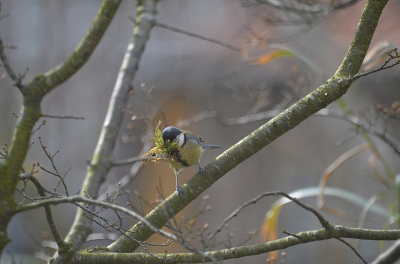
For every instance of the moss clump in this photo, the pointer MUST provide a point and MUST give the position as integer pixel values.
(163, 149)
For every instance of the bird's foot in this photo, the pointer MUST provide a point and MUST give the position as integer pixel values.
(179, 191)
(201, 169)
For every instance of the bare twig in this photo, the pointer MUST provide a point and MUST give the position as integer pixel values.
(356, 121)
(39, 127)
(196, 118)
(392, 54)
(28, 176)
(352, 248)
(60, 242)
(196, 35)
(291, 234)
(5, 149)
(57, 174)
(127, 161)
(322, 220)
(235, 213)
(75, 199)
(64, 117)
(9, 69)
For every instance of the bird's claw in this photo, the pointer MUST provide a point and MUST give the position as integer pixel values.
(202, 170)
(179, 191)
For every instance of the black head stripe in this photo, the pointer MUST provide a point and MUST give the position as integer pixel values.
(184, 140)
(171, 133)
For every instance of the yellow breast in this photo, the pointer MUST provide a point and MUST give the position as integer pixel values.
(188, 156)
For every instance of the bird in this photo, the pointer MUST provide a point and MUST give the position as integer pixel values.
(187, 154)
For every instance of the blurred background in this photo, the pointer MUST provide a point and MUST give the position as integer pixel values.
(191, 76)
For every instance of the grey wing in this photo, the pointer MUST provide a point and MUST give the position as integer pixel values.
(195, 139)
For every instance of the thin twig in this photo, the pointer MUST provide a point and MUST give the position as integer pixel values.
(64, 117)
(291, 234)
(36, 182)
(75, 199)
(383, 67)
(126, 161)
(57, 174)
(352, 248)
(321, 219)
(196, 35)
(356, 121)
(9, 69)
(53, 228)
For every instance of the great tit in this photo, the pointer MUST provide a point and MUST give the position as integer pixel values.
(188, 153)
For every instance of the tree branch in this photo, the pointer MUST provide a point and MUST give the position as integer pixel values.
(7, 66)
(199, 36)
(244, 251)
(330, 91)
(353, 249)
(45, 82)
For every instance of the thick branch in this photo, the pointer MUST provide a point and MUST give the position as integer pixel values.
(330, 91)
(244, 251)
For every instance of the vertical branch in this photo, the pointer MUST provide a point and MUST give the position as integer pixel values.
(102, 157)
(362, 38)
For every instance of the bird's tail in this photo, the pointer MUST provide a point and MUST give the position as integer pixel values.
(211, 146)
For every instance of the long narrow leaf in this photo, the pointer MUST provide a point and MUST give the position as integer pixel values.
(339, 161)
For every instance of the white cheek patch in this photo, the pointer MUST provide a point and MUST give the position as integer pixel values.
(180, 140)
